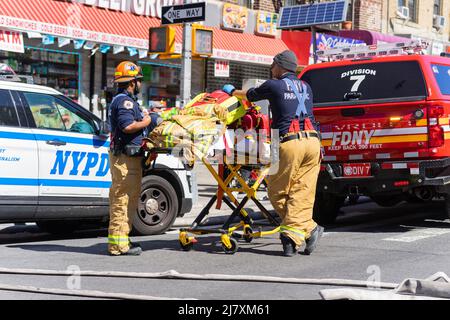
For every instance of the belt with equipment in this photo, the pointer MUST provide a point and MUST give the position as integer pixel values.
(299, 135)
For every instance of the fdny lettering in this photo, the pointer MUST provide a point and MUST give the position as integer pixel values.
(82, 162)
(291, 95)
(356, 137)
(358, 72)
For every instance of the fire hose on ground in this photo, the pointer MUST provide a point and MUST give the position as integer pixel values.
(408, 289)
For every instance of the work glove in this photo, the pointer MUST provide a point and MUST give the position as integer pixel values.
(228, 88)
(156, 121)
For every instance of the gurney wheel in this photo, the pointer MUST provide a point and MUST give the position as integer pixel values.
(248, 234)
(234, 246)
(186, 247)
(186, 242)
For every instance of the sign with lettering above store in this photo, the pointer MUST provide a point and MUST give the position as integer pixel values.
(11, 41)
(221, 68)
(234, 17)
(151, 8)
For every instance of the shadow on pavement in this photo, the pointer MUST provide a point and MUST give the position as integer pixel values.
(205, 244)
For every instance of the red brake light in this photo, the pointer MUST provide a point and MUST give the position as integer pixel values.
(401, 183)
(436, 136)
(436, 111)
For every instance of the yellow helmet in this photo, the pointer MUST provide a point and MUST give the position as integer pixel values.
(127, 71)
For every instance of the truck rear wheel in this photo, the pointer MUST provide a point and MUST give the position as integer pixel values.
(326, 208)
(157, 208)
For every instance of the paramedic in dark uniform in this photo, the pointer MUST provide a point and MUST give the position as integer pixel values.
(129, 124)
(292, 189)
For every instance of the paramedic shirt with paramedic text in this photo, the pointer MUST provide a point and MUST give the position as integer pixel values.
(283, 101)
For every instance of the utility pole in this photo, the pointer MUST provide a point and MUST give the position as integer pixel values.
(186, 64)
(186, 71)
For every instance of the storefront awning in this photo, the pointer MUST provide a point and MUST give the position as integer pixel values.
(77, 21)
(246, 47)
(370, 37)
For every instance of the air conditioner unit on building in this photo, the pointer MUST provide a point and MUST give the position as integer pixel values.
(439, 22)
(403, 12)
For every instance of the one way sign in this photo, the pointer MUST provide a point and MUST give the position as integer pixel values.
(183, 13)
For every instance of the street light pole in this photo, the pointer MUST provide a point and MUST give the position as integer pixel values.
(186, 65)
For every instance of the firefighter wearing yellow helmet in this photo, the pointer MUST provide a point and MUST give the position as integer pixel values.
(128, 125)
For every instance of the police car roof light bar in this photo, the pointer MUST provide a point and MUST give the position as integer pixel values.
(17, 78)
(368, 51)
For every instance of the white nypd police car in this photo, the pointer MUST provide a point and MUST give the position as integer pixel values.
(54, 167)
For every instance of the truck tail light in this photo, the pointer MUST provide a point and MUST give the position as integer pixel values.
(435, 132)
(436, 136)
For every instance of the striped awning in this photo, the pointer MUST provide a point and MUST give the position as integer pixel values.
(77, 21)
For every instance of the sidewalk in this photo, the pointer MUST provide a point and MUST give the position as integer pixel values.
(207, 187)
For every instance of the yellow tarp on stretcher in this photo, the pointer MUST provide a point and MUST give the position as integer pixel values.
(196, 127)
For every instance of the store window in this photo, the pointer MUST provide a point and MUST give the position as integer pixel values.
(412, 6)
(52, 113)
(161, 85)
(437, 7)
(288, 3)
(8, 113)
(57, 70)
(243, 3)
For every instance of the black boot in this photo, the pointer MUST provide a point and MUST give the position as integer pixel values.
(289, 249)
(312, 241)
(134, 244)
(133, 251)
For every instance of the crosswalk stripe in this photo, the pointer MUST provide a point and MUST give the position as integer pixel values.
(418, 234)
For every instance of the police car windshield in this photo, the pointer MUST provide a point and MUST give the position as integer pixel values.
(359, 83)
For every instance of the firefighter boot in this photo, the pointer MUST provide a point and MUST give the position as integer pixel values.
(134, 244)
(312, 241)
(133, 251)
(289, 249)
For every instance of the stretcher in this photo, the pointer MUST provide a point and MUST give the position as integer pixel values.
(229, 232)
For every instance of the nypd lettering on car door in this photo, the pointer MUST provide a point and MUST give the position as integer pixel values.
(73, 164)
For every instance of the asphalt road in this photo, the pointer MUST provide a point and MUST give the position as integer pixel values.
(396, 243)
(367, 243)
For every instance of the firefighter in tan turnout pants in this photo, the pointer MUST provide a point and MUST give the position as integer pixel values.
(128, 125)
(292, 189)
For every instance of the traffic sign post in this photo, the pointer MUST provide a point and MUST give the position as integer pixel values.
(186, 66)
(185, 14)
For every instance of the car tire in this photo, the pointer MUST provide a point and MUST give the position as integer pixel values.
(157, 208)
(58, 227)
(326, 208)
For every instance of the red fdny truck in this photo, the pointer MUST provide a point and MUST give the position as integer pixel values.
(384, 117)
